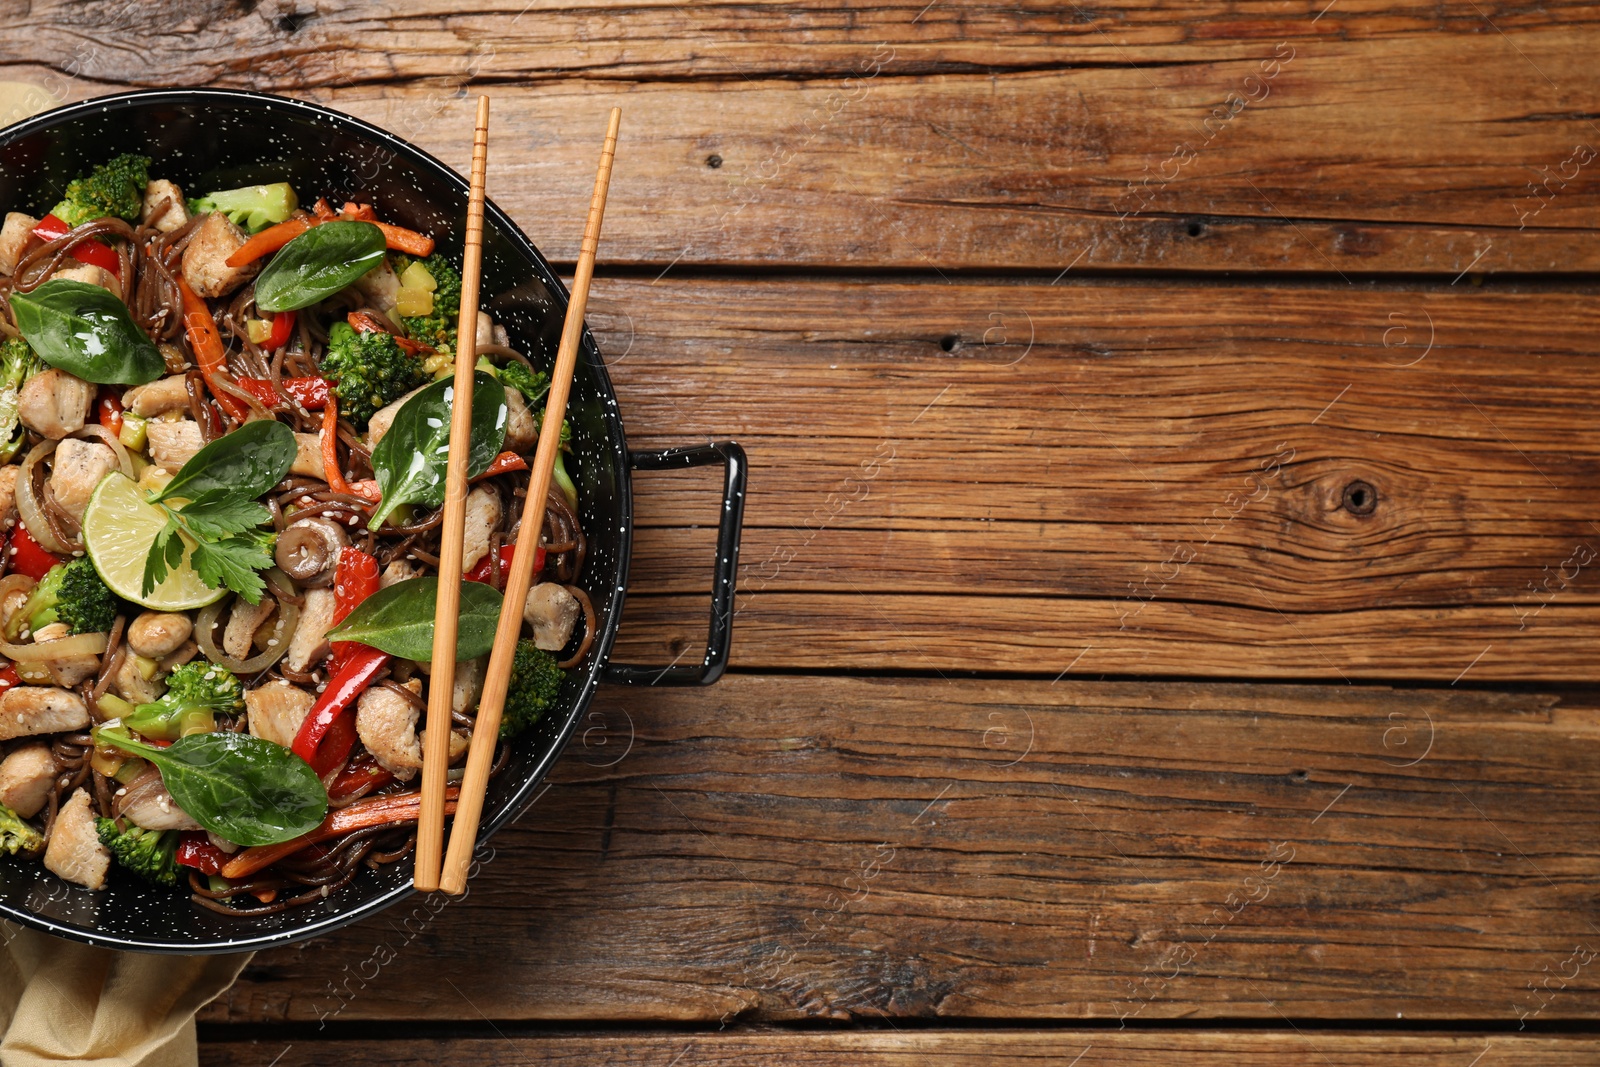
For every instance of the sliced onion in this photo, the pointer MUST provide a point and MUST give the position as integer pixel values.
(287, 618)
(106, 437)
(65, 648)
(28, 506)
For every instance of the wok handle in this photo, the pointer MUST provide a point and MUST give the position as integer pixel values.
(726, 574)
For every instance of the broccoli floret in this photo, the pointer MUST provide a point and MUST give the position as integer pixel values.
(18, 363)
(369, 370)
(438, 330)
(533, 384)
(72, 593)
(535, 681)
(17, 834)
(196, 691)
(115, 188)
(151, 854)
(255, 207)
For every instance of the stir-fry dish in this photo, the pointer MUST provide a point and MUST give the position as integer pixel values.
(223, 430)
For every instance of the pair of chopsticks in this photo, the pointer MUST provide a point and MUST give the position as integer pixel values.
(485, 733)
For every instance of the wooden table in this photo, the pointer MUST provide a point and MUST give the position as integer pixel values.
(1171, 583)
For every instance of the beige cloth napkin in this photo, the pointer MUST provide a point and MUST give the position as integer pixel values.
(65, 1002)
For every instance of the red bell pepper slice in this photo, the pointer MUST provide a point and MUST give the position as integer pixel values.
(504, 463)
(282, 329)
(109, 409)
(485, 567)
(355, 579)
(361, 771)
(90, 251)
(329, 731)
(28, 556)
(311, 393)
(196, 850)
(9, 677)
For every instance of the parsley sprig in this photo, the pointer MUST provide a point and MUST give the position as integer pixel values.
(213, 515)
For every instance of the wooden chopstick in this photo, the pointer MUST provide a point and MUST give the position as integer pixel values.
(447, 614)
(486, 730)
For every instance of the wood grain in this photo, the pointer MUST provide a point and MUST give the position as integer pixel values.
(787, 848)
(1143, 142)
(1159, 471)
(978, 1048)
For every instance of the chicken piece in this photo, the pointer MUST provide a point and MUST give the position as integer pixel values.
(79, 466)
(522, 429)
(380, 285)
(316, 619)
(130, 681)
(383, 418)
(26, 776)
(154, 634)
(276, 710)
(460, 741)
(153, 808)
(75, 852)
(70, 671)
(164, 207)
(26, 710)
(8, 496)
(14, 237)
(485, 328)
(240, 633)
(11, 604)
(158, 397)
(400, 570)
(483, 515)
(552, 612)
(307, 456)
(386, 722)
(469, 683)
(54, 404)
(90, 274)
(172, 444)
(205, 265)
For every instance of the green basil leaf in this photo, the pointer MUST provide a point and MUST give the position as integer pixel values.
(409, 462)
(318, 263)
(241, 465)
(399, 620)
(87, 331)
(247, 789)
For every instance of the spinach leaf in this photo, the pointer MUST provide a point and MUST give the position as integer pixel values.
(410, 460)
(318, 263)
(399, 619)
(243, 464)
(86, 331)
(247, 789)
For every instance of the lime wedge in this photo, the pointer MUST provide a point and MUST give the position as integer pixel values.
(119, 526)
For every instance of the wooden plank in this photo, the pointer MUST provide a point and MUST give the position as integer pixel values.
(983, 155)
(980, 1048)
(785, 848)
(1155, 470)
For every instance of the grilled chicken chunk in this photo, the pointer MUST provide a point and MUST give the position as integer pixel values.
(172, 444)
(75, 852)
(90, 274)
(70, 670)
(14, 237)
(26, 776)
(387, 724)
(276, 710)
(8, 495)
(79, 466)
(158, 397)
(239, 635)
(552, 612)
(54, 404)
(205, 265)
(26, 710)
(129, 681)
(164, 206)
(316, 619)
(483, 515)
(153, 808)
(522, 429)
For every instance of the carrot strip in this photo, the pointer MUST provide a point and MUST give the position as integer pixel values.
(363, 814)
(269, 241)
(401, 239)
(207, 345)
(330, 446)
